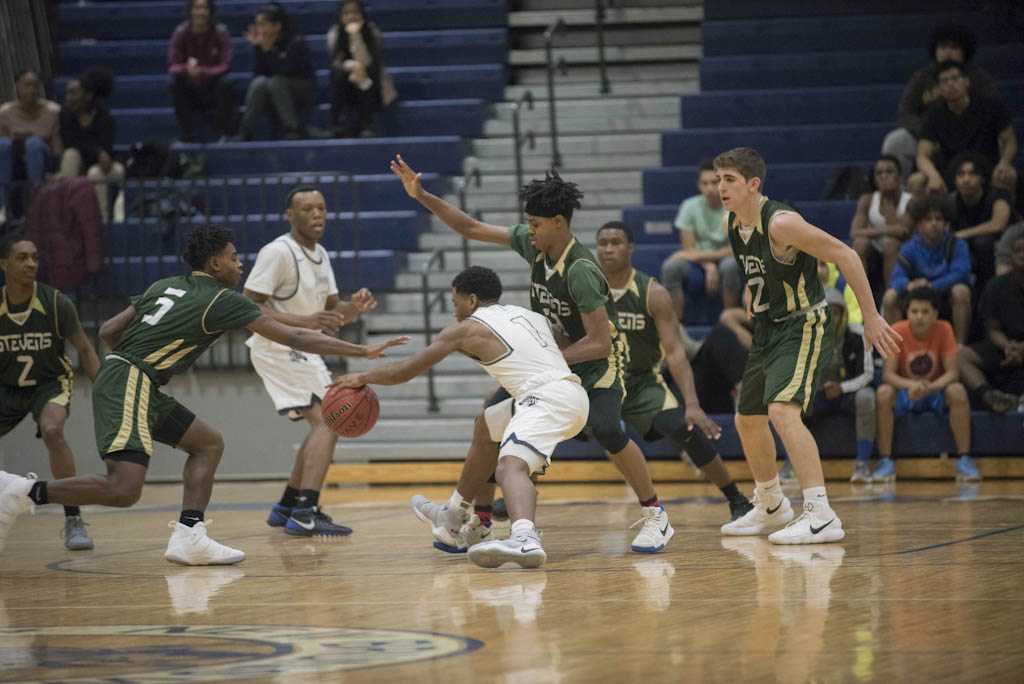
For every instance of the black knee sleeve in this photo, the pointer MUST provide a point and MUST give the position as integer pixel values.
(672, 424)
(605, 420)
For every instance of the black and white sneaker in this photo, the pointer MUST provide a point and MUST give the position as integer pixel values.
(312, 522)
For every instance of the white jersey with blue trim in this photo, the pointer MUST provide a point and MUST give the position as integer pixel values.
(532, 358)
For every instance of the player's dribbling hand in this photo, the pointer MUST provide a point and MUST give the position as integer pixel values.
(347, 380)
(363, 300)
(881, 336)
(326, 322)
(410, 179)
(696, 418)
(377, 350)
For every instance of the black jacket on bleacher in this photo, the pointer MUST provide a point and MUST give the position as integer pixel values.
(290, 57)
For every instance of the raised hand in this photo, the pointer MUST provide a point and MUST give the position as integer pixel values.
(377, 350)
(410, 179)
(881, 336)
(363, 300)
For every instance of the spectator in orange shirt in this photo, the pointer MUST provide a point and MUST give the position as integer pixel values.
(924, 377)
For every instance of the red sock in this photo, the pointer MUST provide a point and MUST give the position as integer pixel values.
(484, 513)
(651, 502)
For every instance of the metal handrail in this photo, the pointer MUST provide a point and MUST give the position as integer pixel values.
(518, 138)
(436, 256)
(556, 27)
(462, 184)
(599, 8)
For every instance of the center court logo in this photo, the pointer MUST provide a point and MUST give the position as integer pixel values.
(166, 654)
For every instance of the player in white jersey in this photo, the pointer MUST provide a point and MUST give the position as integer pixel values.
(548, 406)
(293, 282)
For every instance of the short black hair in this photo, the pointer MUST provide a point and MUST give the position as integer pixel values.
(618, 225)
(950, 64)
(705, 164)
(295, 191)
(553, 194)
(982, 166)
(924, 294)
(211, 3)
(97, 80)
(891, 158)
(204, 241)
(8, 241)
(480, 281)
(923, 206)
(953, 33)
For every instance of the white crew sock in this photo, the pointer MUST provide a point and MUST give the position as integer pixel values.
(818, 497)
(771, 491)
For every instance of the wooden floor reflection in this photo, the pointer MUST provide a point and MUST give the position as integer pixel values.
(927, 586)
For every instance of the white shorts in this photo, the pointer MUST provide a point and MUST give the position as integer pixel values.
(294, 380)
(533, 426)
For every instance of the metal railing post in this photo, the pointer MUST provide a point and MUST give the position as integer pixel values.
(556, 27)
(599, 8)
(462, 184)
(518, 137)
(436, 256)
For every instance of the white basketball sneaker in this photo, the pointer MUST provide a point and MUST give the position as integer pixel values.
(815, 526)
(191, 546)
(656, 531)
(760, 518)
(13, 500)
(523, 549)
(473, 532)
(445, 521)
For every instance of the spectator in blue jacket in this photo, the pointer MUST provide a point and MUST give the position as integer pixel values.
(933, 258)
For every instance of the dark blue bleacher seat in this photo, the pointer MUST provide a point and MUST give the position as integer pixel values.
(156, 19)
(750, 9)
(403, 48)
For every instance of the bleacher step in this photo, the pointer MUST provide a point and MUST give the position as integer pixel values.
(542, 18)
(573, 91)
(571, 142)
(615, 55)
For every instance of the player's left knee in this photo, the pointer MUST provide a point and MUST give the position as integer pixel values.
(51, 432)
(783, 414)
(512, 465)
(610, 436)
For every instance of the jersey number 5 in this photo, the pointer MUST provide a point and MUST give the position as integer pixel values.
(756, 292)
(165, 304)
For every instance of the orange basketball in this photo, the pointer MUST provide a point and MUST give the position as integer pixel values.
(351, 411)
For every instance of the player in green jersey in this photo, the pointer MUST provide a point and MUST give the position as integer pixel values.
(35, 372)
(647, 321)
(159, 335)
(778, 253)
(568, 288)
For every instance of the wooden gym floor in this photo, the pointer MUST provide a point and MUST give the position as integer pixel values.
(926, 587)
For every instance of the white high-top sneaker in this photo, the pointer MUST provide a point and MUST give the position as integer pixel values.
(445, 521)
(760, 518)
(473, 532)
(13, 500)
(815, 526)
(191, 546)
(656, 531)
(523, 549)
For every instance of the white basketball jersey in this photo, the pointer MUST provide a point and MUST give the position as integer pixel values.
(533, 358)
(296, 280)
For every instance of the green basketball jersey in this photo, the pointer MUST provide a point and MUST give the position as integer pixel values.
(177, 319)
(561, 291)
(642, 346)
(32, 339)
(780, 284)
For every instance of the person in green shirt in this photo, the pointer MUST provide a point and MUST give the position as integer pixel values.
(35, 373)
(778, 253)
(569, 289)
(161, 334)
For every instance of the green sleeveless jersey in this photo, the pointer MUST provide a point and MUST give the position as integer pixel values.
(642, 345)
(177, 319)
(32, 339)
(780, 284)
(561, 291)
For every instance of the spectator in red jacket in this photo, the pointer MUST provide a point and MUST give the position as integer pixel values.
(198, 59)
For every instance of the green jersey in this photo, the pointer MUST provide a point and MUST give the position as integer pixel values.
(177, 319)
(561, 291)
(642, 345)
(781, 284)
(32, 338)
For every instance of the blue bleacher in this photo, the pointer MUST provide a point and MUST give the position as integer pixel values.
(751, 9)
(112, 20)
(404, 48)
(265, 194)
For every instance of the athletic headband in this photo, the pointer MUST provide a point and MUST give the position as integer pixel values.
(534, 207)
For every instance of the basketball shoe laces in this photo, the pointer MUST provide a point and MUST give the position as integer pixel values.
(650, 522)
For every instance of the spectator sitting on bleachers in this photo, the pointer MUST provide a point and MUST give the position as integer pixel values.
(880, 225)
(831, 277)
(993, 368)
(30, 140)
(933, 258)
(283, 87)
(946, 43)
(982, 213)
(705, 242)
(957, 123)
(923, 378)
(1004, 248)
(198, 58)
(88, 130)
(360, 86)
(847, 383)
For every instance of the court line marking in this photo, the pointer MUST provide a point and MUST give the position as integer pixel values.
(949, 543)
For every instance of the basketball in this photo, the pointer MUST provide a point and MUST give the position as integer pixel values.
(351, 411)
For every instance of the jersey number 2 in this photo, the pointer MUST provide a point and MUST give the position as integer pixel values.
(757, 291)
(165, 304)
(23, 380)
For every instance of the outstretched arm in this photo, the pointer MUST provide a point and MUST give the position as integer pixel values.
(462, 223)
(399, 372)
(791, 229)
(316, 342)
(659, 303)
